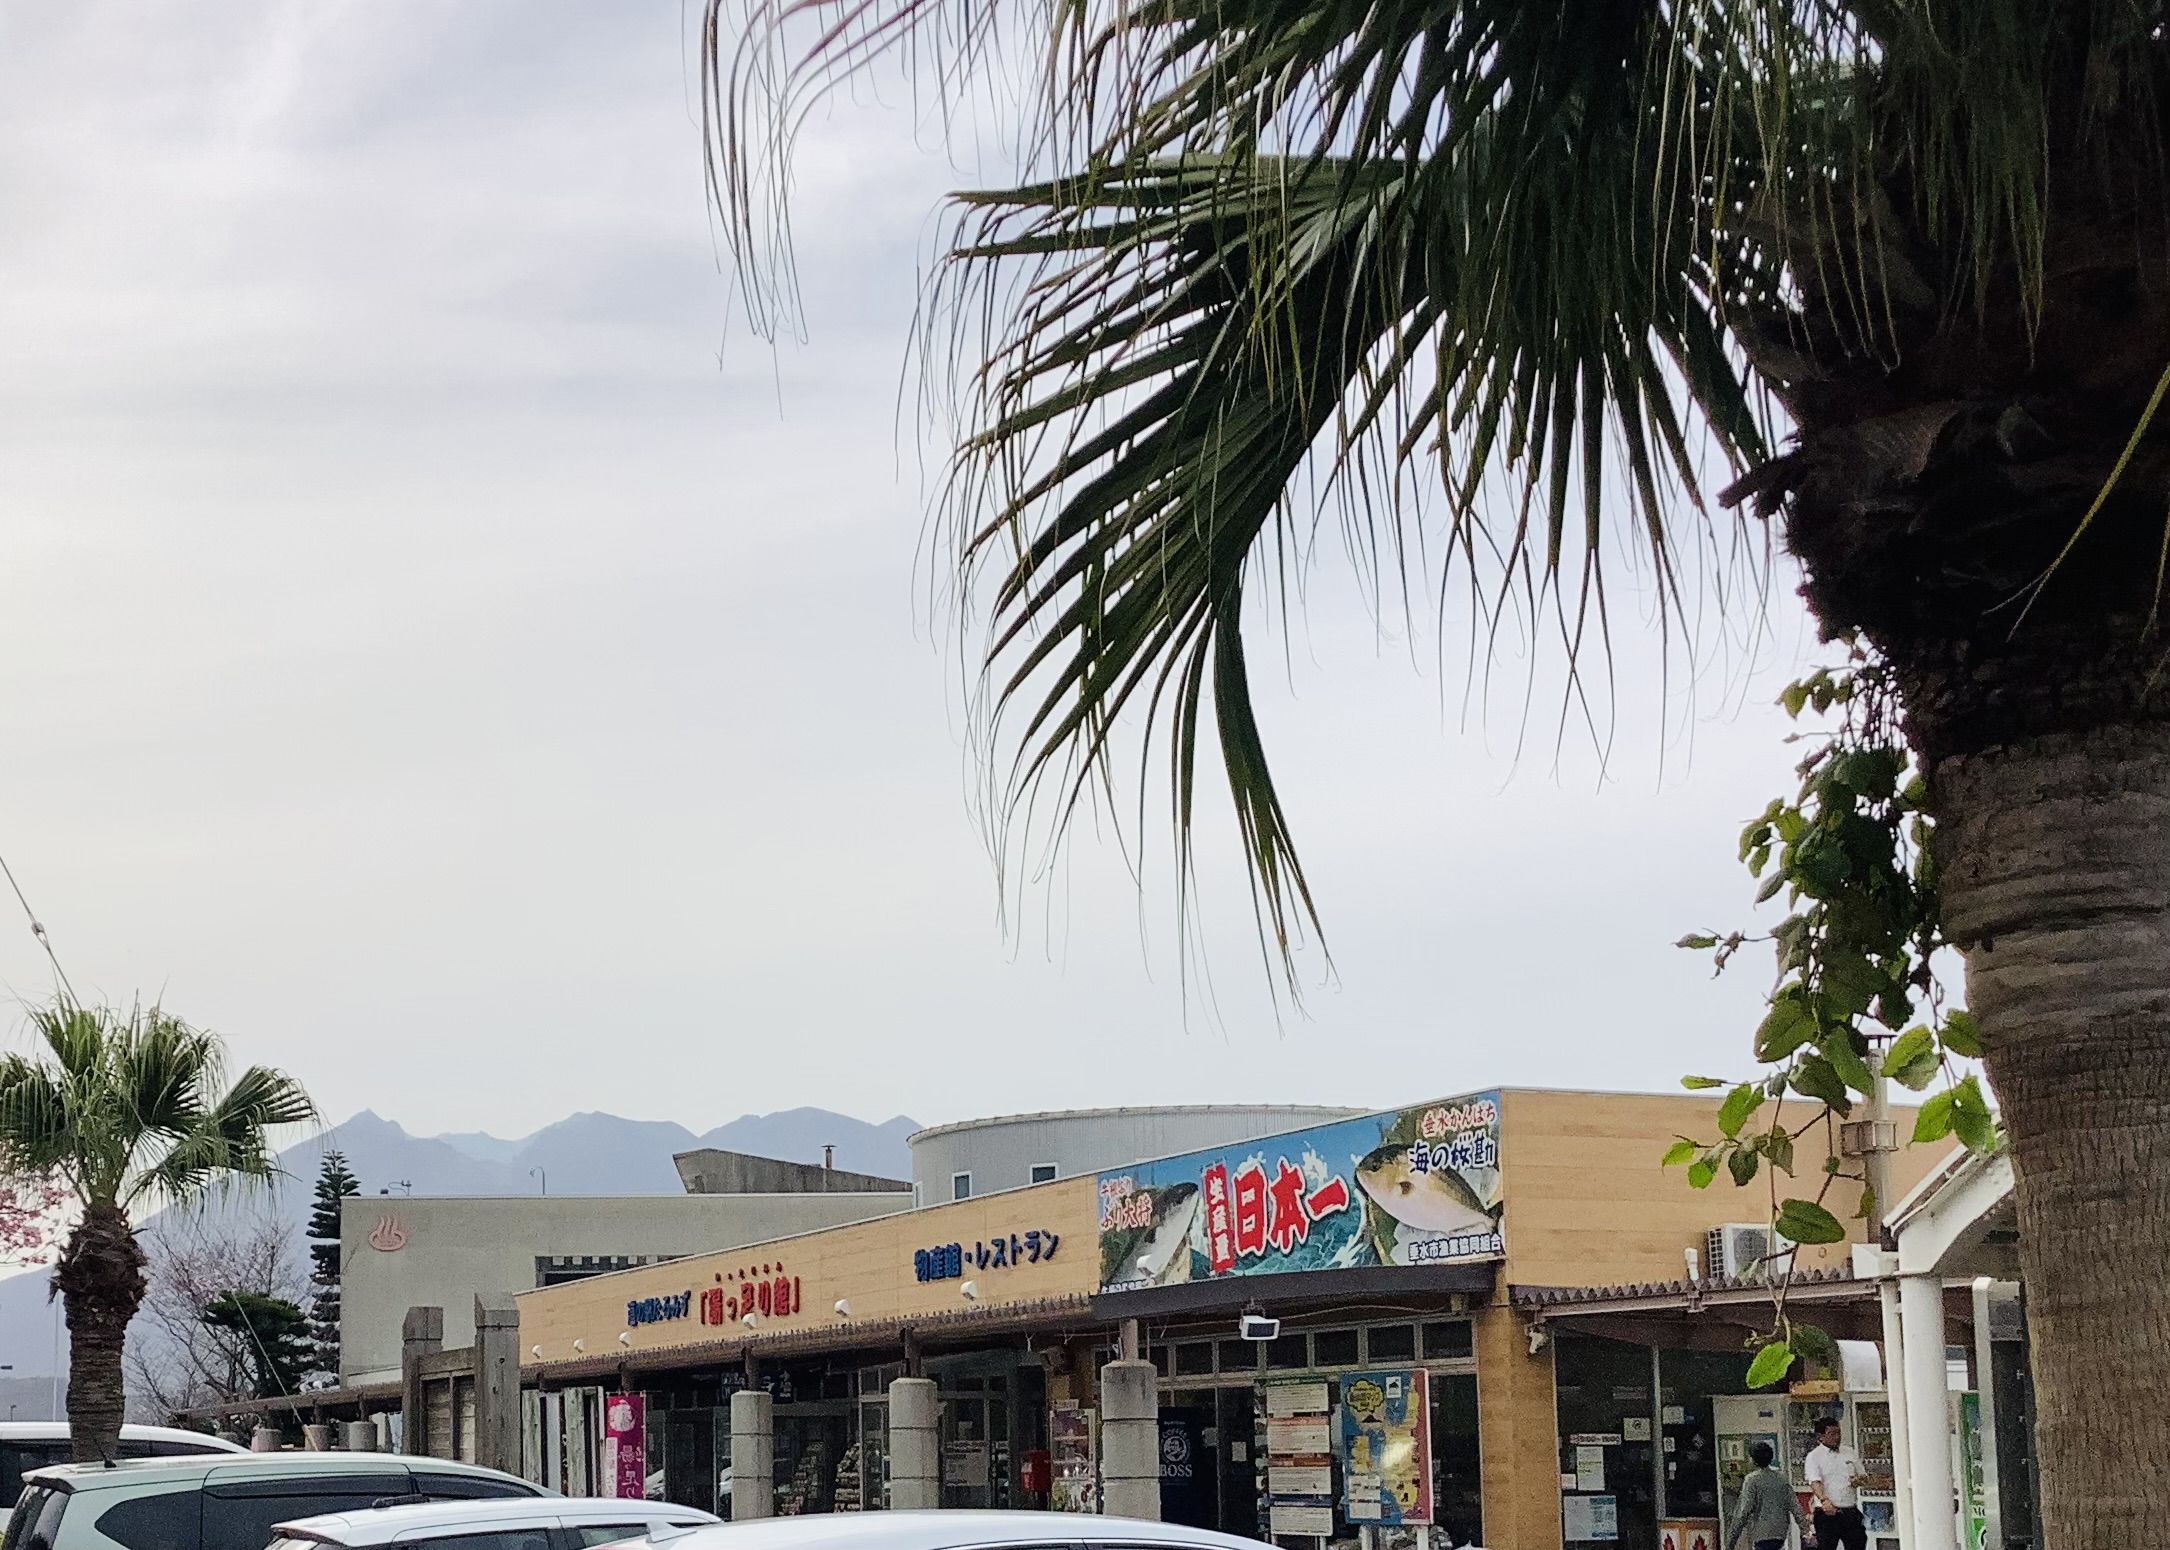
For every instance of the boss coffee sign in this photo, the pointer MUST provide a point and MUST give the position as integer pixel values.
(1409, 1187)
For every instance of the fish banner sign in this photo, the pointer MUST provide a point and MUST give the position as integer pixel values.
(1409, 1187)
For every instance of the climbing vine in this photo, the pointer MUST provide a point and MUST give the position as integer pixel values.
(1857, 993)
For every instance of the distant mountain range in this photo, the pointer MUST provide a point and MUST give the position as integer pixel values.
(584, 1154)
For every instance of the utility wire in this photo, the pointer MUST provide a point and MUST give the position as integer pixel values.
(37, 929)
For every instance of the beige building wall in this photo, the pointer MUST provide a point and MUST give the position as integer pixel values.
(1589, 1204)
(399, 1252)
(868, 1266)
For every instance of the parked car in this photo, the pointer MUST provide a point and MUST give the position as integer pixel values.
(955, 1531)
(546, 1523)
(226, 1501)
(28, 1445)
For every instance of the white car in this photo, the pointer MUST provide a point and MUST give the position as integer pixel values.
(955, 1531)
(536, 1523)
(28, 1445)
(227, 1501)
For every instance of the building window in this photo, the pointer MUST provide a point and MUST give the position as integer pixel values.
(1334, 1348)
(1043, 1173)
(1390, 1343)
(960, 1186)
(1448, 1339)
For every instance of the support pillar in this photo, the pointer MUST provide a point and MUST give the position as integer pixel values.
(753, 1455)
(497, 1385)
(1921, 1311)
(915, 1445)
(1902, 1445)
(421, 1334)
(1130, 1440)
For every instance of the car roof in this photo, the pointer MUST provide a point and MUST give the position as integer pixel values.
(382, 1525)
(208, 1467)
(949, 1530)
(57, 1431)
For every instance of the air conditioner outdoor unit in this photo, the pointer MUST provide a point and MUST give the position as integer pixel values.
(1748, 1251)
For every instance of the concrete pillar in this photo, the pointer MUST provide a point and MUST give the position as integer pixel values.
(265, 1439)
(1902, 1446)
(497, 1385)
(915, 1445)
(1130, 1440)
(361, 1436)
(421, 1333)
(753, 1455)
(1921, 1311)
(318, 1436)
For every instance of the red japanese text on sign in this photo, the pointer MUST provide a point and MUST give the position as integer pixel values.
(1220, 1228)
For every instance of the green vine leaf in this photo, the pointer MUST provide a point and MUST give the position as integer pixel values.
(1962, 1035)
(1934, 1122)
(1740, 1104)
(1971, 1119)
(1772, 1363)
(1804, 1221)
(1912, 1060)
(1681, 1151)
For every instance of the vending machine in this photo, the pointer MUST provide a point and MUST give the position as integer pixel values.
(1740, 1421)
(1788, 1424)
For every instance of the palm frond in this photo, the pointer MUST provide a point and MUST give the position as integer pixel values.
(1527, 258)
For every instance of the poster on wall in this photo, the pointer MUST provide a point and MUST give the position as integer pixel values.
(1414, 1186)
(1385, 1448)
(1298, 1458)
(625, 1446)
(1073, 1454)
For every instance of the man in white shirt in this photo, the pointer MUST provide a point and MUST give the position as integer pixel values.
(1834, 1473)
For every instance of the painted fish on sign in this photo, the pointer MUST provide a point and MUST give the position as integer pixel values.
(1417, 1186)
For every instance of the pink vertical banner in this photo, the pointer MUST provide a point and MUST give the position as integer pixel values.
(625, 1445)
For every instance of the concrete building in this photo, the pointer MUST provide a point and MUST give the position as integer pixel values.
(398, 1253)
(981, 1156)
(714, 1171)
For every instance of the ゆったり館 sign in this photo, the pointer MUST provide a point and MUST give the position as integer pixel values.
(1416, 1186)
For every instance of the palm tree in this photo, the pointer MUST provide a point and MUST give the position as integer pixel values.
(1504, 268)
(130, 1112)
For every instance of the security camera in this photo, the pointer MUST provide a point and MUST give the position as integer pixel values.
(1255, 1326)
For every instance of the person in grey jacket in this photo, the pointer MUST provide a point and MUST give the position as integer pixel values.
(1767, 1502)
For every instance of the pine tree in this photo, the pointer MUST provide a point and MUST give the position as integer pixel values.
(278, 1338)
(334, 1183)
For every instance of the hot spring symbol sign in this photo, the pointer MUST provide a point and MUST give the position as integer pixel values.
(1417, 1186)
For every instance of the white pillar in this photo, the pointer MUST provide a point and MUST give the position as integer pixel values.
(1921, 1309)
(753, 1455)
(1985, 1384)
(1902, 1449)
(1130, 1440)
(915, 1447)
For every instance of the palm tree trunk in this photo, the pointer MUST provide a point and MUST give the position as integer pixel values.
(101, 1285)
(2056, 857)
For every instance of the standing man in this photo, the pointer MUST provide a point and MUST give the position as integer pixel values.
(1767, 1506)
(1834, 1472)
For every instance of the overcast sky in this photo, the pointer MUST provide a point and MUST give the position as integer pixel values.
(438, 653)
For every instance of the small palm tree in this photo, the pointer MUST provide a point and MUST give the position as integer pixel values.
(128, 1112)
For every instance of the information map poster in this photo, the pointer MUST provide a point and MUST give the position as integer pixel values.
(1385, 1446)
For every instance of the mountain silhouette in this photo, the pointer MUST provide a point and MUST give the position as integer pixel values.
(582, 1154)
